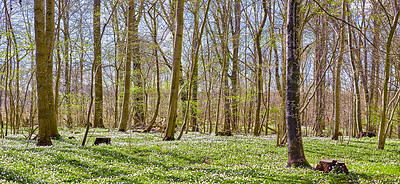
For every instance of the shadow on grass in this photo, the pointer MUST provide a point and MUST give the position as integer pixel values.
(145, 164)
(16, 176)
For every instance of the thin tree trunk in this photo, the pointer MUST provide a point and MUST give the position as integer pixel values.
(127, 84)
(194, 58)
(155, 52)
(225, 60)
(235, 66)
(356, 78)
(137, 75)
(268, 92)
(259, 71)
(58, 73)
(375, 60)
(382, 127)
(337, 76)
(319, 73)
(67, 63)
(173, 99)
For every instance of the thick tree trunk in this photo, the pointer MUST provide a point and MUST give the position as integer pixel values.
(296, 157)
(49, 48)
(98, 87)
(45, 115)
(173, 99)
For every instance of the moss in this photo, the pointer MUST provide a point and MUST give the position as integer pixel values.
(303, 164)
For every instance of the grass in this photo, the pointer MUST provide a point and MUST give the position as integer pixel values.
(145, 158)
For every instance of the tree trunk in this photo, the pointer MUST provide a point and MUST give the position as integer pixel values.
(225, 60)
(127, 84)
(364, 71)
(155, 53)
(173, 99)
(137, 76)
(194, 58)
(235, 66)
(382, 127)
(67, 63)
(356, 78)
(98, 87)
(49, 46)
(337, 77)
(319, 68)
(259, 72)
(58, 72)
(296, 157)
(45, 115)
(375, 60)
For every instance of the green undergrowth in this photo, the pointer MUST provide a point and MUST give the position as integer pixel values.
(197, 158)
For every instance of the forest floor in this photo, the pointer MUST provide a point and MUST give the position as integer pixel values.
(197, 158)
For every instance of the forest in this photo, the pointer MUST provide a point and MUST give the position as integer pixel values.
(199, 91)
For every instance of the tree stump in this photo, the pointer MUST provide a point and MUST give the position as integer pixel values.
(101, 140)
(366, 134)
(225, 133)
(333, 166)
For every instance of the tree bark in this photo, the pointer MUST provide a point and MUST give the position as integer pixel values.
(173, 99)
(296, 157)
(67, 62)
(127, 84)
(194, 58)
(375, 64)
(235, 65)
(49, 47)
(98, 87)
(337, 77)
(356, 77)
(137, 74)
(45, 113)
(259, 71)
(155, 53)
(319, 68)
(382, 127)
(225, 59)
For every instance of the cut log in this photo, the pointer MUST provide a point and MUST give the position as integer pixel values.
(101, 140)
(334, 166)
